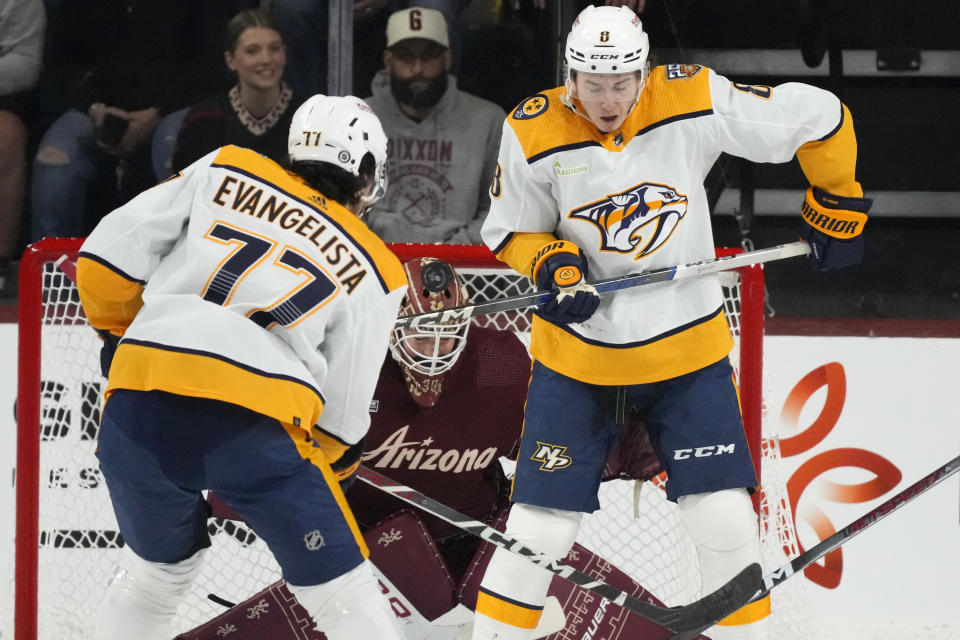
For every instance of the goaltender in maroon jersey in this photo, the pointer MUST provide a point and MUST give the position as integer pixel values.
(445, 410)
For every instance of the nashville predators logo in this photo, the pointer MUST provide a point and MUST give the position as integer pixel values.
(531, 107)
(551, 457)
(639, 220)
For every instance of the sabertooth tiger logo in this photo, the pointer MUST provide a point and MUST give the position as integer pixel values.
(639, 219)
(551, 457)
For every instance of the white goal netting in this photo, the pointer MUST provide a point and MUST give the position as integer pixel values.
(67, 539)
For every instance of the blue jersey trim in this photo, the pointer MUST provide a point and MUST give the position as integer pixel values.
(120, 272)
(564, 147)
(593, 143)
(640, 343)
(676, 118)
(836, 128)
(503, 244)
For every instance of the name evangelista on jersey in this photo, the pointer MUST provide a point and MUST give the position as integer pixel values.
(633, 200)
(258, 291)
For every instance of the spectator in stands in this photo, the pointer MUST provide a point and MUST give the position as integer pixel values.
(22, 24)
(443, 141)
(119, 66)
(255, 113)
(304, 25)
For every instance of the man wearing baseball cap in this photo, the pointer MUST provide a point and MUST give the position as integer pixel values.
(444, 141)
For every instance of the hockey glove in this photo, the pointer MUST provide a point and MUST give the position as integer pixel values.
(834, 228)
(346, 467)
(344, 459)
(561, 266)
(107, 351)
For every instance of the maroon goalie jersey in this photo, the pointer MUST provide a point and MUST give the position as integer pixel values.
(448, 451)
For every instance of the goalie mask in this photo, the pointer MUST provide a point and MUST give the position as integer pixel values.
(340, 131)
(606, 57)
(426, 353)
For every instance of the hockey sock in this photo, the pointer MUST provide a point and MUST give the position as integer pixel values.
(513, 591)
(723, 526)
(143, 597)
(350, 606)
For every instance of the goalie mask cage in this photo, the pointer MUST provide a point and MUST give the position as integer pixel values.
(67, 541)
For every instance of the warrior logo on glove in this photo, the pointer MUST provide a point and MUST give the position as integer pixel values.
(639, 219)
(567, 276)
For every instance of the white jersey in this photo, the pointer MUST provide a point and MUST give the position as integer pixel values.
(633, 200)
(258, 291)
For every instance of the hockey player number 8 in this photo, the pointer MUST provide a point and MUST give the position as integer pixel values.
(248, 252)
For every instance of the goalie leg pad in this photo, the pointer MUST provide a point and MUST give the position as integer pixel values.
(724, 529)
(513, 592)
(350, 606)
(143, 597)
(401, 548)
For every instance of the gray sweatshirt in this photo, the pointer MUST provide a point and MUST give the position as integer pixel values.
(22, 25)
(440, 168)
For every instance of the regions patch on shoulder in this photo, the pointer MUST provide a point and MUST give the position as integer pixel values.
(675, 71)
(531, 107)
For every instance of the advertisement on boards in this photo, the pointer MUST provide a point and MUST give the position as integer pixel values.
(858, 420)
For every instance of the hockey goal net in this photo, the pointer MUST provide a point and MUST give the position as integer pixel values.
(66, 535)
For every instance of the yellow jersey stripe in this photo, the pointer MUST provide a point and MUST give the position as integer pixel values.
(830, 163)
(661, 358)
(315, 456)
(110, 298)
(143, 366)
(520, 249)
(507, 611)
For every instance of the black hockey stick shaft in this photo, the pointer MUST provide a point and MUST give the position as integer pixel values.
(693, 269)
(702, 613)
(808, 557)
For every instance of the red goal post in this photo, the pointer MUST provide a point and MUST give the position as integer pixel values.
(65, 543)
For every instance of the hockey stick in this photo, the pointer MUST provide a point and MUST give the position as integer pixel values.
(702, 613)
(690, 270)
(805, 559)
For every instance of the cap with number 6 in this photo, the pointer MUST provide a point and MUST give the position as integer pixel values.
(417, 22)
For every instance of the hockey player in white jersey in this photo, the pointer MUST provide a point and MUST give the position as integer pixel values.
(255, 309)
(603, 177)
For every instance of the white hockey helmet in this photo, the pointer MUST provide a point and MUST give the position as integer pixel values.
(607, 40)
(340, 131)
(433, 285)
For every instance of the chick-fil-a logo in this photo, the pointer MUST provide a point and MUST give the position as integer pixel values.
(886, 474)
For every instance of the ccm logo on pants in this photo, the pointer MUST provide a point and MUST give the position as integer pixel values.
(703, 452)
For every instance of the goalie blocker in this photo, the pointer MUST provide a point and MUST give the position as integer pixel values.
(429, 605)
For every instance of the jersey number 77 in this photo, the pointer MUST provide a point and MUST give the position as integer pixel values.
(248, 252)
